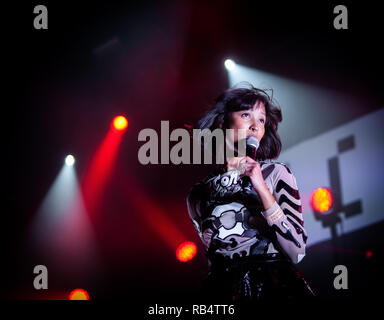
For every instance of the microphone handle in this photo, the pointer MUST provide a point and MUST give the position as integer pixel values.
(251, 152)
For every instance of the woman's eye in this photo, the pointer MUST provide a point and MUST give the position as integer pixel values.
(262, 120)
(245, 115)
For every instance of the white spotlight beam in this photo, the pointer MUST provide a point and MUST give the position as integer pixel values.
(69, 160)
(229, 64)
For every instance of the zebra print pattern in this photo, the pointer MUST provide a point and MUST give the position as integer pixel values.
(285, 215)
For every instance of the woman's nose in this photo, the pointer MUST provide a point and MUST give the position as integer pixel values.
(254, 127)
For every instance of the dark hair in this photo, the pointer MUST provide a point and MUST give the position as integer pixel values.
(236, 99)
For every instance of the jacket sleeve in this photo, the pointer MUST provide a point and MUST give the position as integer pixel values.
(285, 215)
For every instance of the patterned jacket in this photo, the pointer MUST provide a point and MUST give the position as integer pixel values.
(231, 221)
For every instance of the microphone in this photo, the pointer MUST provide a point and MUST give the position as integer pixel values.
(252, 144)
(251, 148)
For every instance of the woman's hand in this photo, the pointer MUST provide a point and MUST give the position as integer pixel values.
(251, 168)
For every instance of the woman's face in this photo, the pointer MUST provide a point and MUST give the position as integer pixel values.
(252, 120)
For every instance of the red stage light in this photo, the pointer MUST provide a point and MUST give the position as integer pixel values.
(79, 294)
(321, 199)
(186, 251)
(100, 169)
(368, 254)
(120, 123)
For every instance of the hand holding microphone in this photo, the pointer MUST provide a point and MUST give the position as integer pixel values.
(252, 144)
(250, 167)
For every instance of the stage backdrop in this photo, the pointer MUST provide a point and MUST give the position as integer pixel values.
(349, 160)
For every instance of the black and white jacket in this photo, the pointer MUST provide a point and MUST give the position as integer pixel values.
(231, 221)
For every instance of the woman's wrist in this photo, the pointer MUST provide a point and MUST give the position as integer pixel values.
(266, 197)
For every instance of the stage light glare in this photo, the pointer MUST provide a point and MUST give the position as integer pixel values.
(186, 251)
(321, 200)
(230, 64)
(69, 160)
(79, 294)
(120, 123)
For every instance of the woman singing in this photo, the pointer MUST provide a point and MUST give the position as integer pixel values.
(248, 212)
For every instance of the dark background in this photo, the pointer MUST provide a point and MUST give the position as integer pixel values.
(165, 63)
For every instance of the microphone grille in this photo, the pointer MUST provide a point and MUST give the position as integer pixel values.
(253, 141)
